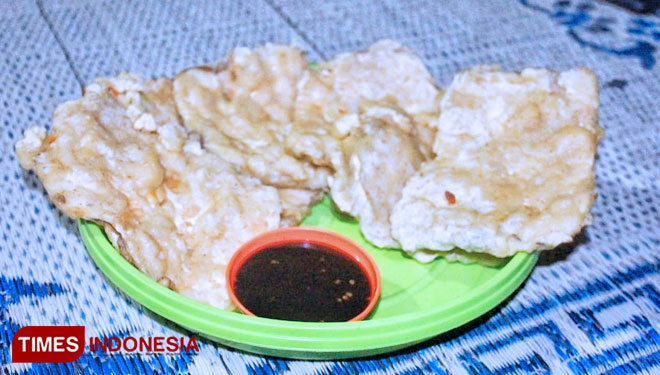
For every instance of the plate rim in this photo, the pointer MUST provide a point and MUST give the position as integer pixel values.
(304, 340)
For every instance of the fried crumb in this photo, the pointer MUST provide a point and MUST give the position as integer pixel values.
(451, 199)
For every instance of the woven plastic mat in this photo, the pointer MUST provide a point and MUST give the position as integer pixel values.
(591, 307)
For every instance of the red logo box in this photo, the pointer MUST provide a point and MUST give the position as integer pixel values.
(48, 344)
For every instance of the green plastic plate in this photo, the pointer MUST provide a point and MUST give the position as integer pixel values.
(418, 301)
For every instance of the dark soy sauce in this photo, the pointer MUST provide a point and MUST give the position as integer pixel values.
(302, 282)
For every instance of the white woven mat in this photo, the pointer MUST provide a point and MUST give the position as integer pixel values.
(592, 309)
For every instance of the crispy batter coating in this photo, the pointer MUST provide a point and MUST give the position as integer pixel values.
(296, 204)
(387, 77)
(119, 156)
(243, 110)
(515, 164)
(379, 107)
(377, 160)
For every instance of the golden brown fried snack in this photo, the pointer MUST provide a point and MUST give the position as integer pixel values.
(119, 156)
(372, 114)
(243, 111)
(377, 160)
(181, 173)
(387, 78)
(515, 164)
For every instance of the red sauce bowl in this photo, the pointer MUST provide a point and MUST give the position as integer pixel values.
(319, 237)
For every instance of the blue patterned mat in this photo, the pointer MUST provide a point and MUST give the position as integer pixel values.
(591, 308)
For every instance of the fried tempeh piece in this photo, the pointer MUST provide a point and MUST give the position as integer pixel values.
(243, 110)
(377, 160)
(514, 169)
(379, 107)
(120, 157)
